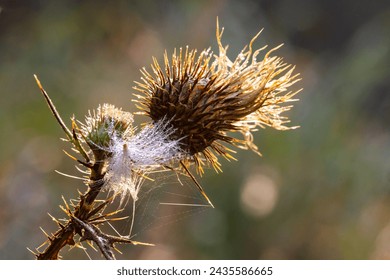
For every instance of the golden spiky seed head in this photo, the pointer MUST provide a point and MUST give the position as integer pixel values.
(204, 100)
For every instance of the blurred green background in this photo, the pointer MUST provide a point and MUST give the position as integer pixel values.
(319, 192)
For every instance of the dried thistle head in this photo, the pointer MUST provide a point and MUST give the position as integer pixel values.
(205, 96)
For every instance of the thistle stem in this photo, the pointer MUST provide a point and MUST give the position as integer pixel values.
(65, 235)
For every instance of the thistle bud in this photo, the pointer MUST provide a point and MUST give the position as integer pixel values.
(104, 125)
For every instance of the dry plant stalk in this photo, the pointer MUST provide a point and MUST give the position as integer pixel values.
(193, 102)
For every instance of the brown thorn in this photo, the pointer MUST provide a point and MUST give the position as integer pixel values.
(64, 209)
(90, 243)
(32, 252)
(86, 164)
(43, 244)
(197, 184)
(116, 249)
(66, 203)
(69, 155)
(46, 234)
(103, 219)
(77, 141)
(98, 208)
(56, 221)
(53, 109)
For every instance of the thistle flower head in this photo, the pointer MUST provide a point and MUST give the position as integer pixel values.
(205, 96)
